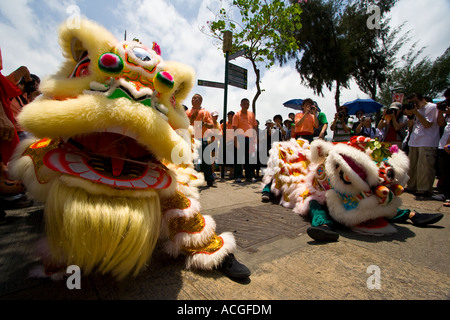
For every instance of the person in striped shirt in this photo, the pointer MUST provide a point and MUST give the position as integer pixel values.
(341, 125)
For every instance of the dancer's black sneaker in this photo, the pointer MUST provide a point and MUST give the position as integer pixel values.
(322, 234)
(233, 268)
(423, 219)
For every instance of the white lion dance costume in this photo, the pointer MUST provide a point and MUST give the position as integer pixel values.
(112, 161)
(356, 184)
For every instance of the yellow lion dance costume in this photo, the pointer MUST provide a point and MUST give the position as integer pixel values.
(112, 160)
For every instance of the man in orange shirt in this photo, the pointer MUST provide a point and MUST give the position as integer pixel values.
(306, 121)
(201, 120)
(244, 124)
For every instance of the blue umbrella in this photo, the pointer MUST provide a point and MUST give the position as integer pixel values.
(366, 105)
(294, 104)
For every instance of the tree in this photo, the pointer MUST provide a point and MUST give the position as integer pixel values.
(322, 57)
(417, 74)
(373, 49)
(336, 45)
(264, 29)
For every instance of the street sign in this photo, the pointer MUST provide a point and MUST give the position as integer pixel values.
(237, 76)
(238, 84)
(220, 85)
(211, 84)
(236, 70)
(237, 54)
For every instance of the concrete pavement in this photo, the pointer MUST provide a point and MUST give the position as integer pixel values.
(286, 263)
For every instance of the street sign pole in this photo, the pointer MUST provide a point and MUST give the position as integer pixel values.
(225, 101)
(227, 47)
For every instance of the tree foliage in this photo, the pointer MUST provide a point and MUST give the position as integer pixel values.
(416, 74)
(264, 28)
(372, 51)
(336, 45)
(322, 58)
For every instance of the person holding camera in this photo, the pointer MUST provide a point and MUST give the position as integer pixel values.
(30, 90)
(12, 193)
(306, 121)
(423, 143)
(365, 128)
(341, 125)
(393, 124)
(444, 150)
(279, 127)
(359, 114)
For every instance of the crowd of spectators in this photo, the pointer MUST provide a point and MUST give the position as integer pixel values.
(17, 89)
(419, 127)
(247, 143)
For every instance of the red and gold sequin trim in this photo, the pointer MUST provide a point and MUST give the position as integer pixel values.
(37, 152)
(193, 225)
(214, 245)
(178, 201)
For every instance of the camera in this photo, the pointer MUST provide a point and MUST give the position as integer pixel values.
(409, 106)
(390, 111)
(442, 105)
(341, 115)
(30, 86)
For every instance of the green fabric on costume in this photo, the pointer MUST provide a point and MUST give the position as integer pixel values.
(319, 214)
(401, 216)
(267, 187)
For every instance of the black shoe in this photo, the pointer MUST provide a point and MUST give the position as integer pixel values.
(265, 196)
(423, 219)
(233, 268)
(322, 234)
(210, 183)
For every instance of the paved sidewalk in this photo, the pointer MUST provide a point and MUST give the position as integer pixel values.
(286, 263)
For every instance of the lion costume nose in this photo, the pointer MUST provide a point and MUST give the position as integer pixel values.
(384, 194)
(397, 189)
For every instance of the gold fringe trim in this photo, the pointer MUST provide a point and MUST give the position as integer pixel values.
(196, 224)
(214, 244)
(178, 201)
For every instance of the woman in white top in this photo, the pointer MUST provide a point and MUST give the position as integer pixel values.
(444, 150)
(423, 143)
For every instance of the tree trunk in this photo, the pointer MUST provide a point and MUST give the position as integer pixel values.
(338, 94)
(258, 88)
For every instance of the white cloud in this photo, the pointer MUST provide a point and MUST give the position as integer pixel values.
(28, 36)
(20, 19)
(29, 39)
(428, 22)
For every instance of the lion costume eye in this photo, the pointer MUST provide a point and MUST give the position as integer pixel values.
(110, 62)
(142, 54)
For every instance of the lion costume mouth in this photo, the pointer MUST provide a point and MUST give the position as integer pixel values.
(112, 113)
(355, 167)
(111, 159)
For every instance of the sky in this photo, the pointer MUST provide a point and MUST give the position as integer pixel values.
(28, 36)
